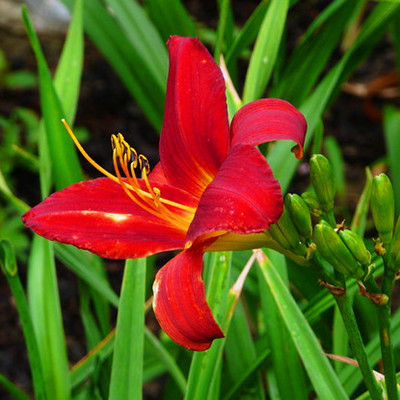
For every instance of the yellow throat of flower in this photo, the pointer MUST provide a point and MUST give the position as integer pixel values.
(126, 159)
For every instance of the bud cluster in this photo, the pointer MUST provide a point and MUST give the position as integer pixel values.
(343, 248)
(382, 206)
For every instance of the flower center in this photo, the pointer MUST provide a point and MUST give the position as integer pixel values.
(127, 160)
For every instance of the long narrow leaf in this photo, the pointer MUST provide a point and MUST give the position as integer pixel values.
(241, 353)
(127, 61)
(143, 37)
(127, 367)
(66, 169)
(69, 69)
(47, 320)
(320, 372)
(247, 34)
(265, 51)
(391, 126)
(302, 71)
(287, 367)
(13, 390)
(204, 366)
(170, 18)
(314, 106)
(8, 265)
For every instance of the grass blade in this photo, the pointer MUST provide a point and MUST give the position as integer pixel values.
(126, 60)
(14, 391)
(205, 365)
(79, 263)
(170, 18)
(263, 58)
(313, 107)
(69, 69)
(287, 368)
(66, 169)
(8, 265)
(301, 70)
(391, 125)
(247, 34)
(334, 154)
(320, 372)
(44, 304)
(143, 37)
(127, 366)
(240, 353)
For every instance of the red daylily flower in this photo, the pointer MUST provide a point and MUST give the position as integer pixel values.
(212, 190)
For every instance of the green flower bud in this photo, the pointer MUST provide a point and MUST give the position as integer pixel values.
(382, 206)
(323, 181)
(312, 203)
(356, 246)
(335, 251)
(300, 214)
(285, 233)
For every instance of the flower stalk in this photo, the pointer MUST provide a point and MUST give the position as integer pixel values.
(384, 320)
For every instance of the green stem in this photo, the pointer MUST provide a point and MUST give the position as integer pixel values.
(384, 319)
(358, 347)
(353, 332)
(330, 218)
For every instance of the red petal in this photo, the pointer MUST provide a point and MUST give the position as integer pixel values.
(243, 198)
(98, 216)
(269, 119)
(195, 135)
(179, 302)
(157, 174)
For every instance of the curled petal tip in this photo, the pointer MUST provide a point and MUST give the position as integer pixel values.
(298, 151)
(180, 305)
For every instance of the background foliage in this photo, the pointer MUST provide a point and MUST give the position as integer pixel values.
(266, 56)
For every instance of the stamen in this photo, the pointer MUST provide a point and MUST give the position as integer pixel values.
(150, 201)
(144, 164)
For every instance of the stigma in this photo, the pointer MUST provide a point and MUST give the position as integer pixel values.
(127, 162)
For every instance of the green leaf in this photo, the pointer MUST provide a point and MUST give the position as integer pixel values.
(334, 155)
(350, 375)
(141, 79)
(240, 353)
(69, 69)
(170, 18)
(391, 127)
(287, 368)
(313, 107)
(359, 221)
(247, 34)
(45, 310)
(240, 383)
(81, 264)
(205, 366)
(66, 169)
(302, 70)
(8, 265)
(263, 58)
(320, 372)
(143, 37)
(13, 390)
(6, 191)
(127, 366)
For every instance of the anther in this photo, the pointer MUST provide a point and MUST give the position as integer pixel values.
(144, 164)
(134, 157)
(157, 192)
